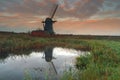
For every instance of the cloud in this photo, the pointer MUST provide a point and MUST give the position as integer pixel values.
(30, 13)
(70, 8)
(95, 27)
(25, 12)
(118, 7)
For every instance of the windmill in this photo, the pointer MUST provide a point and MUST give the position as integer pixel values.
(48, 23)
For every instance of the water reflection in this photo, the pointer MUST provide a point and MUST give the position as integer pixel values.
(3, 56)
(49, 56)
(50, 63)
(6, 55)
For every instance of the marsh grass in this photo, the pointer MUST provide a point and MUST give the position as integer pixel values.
(27, 75)
(13, 42)
(103, 63)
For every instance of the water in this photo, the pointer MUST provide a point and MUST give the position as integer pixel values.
(48, 64)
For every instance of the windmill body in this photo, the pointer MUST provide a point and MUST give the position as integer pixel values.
(49, 25)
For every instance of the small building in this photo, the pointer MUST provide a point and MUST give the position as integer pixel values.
(39, 33)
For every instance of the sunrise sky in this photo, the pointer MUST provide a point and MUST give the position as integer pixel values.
(88, 17)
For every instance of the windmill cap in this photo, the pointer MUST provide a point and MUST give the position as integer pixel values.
(48, 19)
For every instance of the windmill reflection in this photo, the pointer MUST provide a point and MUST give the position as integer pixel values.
(48, 54)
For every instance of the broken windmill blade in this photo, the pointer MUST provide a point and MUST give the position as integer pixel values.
(54, 11)
(52, 16)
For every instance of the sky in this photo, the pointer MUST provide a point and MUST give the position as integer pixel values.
(84, 17)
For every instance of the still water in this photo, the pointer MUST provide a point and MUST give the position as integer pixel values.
(48, 64)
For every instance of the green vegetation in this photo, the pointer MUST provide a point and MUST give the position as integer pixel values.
(102, 64)
(15, 42)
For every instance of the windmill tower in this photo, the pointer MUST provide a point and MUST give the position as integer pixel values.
(48, 23)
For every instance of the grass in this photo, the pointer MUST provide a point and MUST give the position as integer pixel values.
(13, 42)
(102, 64)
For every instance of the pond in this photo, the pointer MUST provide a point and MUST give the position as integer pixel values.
(38, 65)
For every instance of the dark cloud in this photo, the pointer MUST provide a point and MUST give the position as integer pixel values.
(89, 8)
(81, 9)
(70, 8)
(113, 4)
(118, 7)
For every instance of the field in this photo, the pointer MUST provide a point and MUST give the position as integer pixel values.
(103, 63)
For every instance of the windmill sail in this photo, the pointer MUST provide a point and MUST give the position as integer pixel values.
(54, 11)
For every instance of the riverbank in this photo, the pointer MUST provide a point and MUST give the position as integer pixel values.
(102, 64)
(17, 42)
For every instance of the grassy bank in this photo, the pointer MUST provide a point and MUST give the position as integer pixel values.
(17, 42)
(102, 64)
